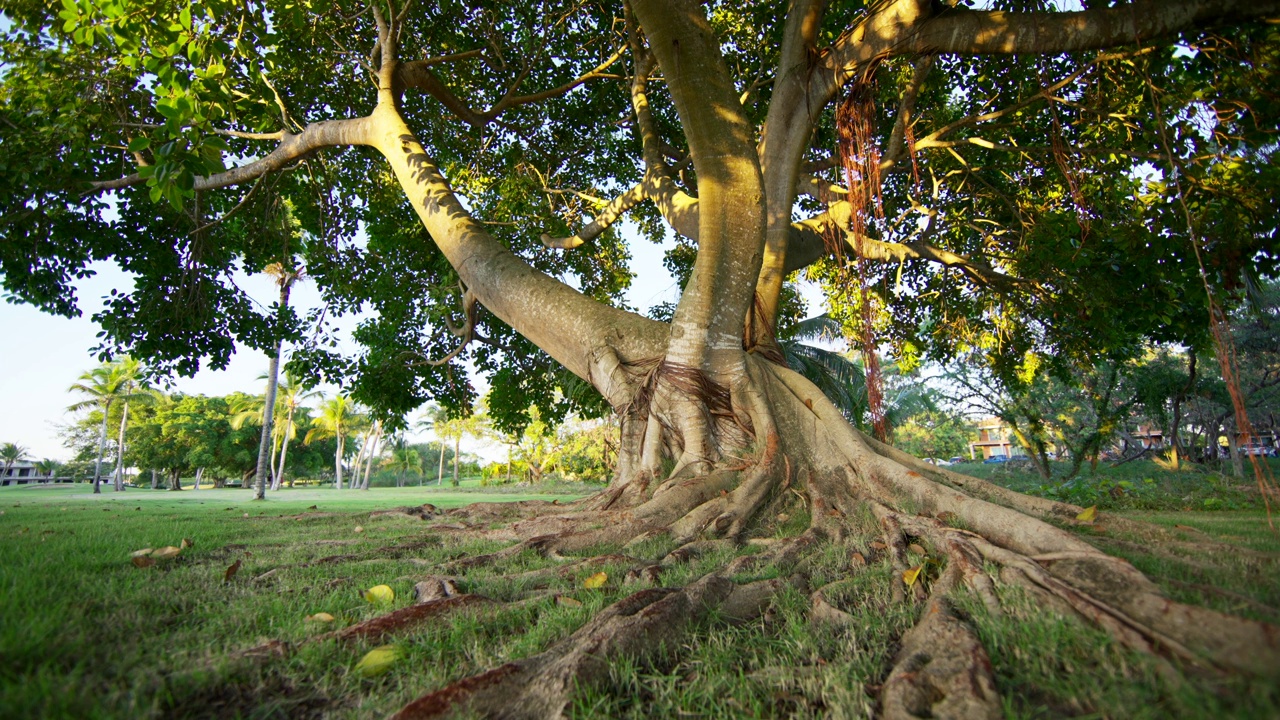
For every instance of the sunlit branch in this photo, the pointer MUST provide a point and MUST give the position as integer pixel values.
(607, 217)
(897, 146)
(616, 208)
(417, 74)
(328, 133)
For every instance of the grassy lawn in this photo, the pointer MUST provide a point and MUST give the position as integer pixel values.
(1136, 485)
(85, 634)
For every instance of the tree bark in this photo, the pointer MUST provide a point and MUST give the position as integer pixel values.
(119, 472)
(102, 448)
(373, 449)
(284, 451)
(268, 418)
(440, 469)
(337, 463)
(267, 444)
(1233, 448)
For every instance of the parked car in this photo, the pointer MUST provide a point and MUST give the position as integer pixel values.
(995, 459)
(956, 459)
(1257, 450)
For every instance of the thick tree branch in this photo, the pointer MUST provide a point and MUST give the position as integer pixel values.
(329, 133)
(913, 27)
(607, 217)
(676, 206)
(417, 74)
(964, 31)
(809, 242)
(897, 146)
(709, 317)
(782, 145)
(619, 206)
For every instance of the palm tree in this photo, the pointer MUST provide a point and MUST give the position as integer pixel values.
(336, 418)
(838, 377)
(285, 278)
(131, 379)
(843, 380)
(372, 440)
(103, 386)
(363, 429)
(48, 468)
(291, 395)
(11, 453)
(404, 461)
(436, 419)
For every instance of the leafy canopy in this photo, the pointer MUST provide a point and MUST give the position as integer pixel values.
(1052, 176)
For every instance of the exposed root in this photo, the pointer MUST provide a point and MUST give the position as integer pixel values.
(823, 611)
(942, 671)
(854, 488)
(1053, 511)
(434, 588)
(396, 622)
(425, 511)
(542, 577)
(642, 626)
(1111, 594)
(896, 548)
(540, 545)
(404, 619)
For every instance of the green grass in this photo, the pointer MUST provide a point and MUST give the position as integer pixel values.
(1137, 485)
(84, 633)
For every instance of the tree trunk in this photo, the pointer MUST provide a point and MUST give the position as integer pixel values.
(119, 472)
(337, 464)
(195, 485)
(102, 448)
(284, 452)
(749, 442)
(440, 469)
(1233, 449)
(357, 467)
(154, 482)
(1175, 432)
(373, 450)
(268, 417)
(457, 440)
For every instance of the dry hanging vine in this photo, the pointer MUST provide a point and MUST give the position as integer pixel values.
(1223, 343)
(860, 160)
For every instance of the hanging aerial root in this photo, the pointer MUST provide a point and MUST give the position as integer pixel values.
(644, 626)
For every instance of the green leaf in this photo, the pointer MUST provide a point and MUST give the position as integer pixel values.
(139, 143)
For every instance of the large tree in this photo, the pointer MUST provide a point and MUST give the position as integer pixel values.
(1032, 182)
